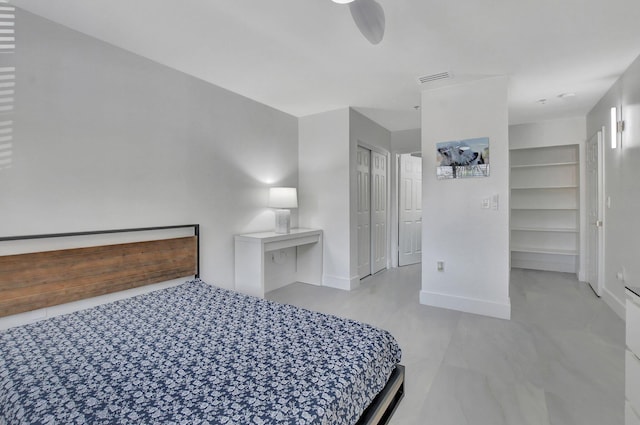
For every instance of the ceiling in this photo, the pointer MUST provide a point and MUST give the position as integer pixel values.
(307, 56)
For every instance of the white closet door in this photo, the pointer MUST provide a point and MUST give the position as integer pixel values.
(378, 211)
(364, 212)
(410, 231)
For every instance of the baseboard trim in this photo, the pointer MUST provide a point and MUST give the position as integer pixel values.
(468, 305)
(612, 301)
(345, 284)
(582, 277)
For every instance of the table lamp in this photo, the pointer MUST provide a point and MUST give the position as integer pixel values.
(282, 199)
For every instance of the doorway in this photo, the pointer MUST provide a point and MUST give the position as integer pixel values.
(410, 209)
(371, 210)
(595, 211)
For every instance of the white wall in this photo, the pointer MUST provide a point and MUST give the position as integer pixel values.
(106, 139)
(324, 189)
(404, 141)
(622, 186)
(364, 132)
(327, 185)
(473, 242)
(568, 131)
(367, 133)
(548, 133)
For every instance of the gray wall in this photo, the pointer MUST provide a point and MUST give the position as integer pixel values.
(406, 141)
(622, 186)
(107, 139)
(369, 134)
(327, 156)
(324, 189)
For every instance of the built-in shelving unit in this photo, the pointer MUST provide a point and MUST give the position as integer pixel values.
(555, 164)
(545, 208)
(543, 229)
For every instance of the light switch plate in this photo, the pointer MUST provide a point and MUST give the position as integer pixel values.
(495, 202)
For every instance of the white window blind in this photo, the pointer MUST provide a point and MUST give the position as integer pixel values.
(7, 27)
(7, 82)
(6, 143)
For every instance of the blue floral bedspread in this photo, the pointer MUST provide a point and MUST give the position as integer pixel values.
(192, 354)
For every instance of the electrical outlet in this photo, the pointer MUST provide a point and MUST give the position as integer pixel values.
(621, 275)
(440, 265)
(278, 257)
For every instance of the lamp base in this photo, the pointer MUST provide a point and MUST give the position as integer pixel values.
(283, 221)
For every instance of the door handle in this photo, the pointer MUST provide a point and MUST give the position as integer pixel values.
(598, 223)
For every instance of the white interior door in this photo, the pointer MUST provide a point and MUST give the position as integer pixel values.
(378, 211)
(364, 212)
(410, 211)
(594, 211)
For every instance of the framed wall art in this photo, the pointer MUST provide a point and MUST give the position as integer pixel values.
(461, 159)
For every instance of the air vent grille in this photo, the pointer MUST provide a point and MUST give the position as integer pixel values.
(425, 79)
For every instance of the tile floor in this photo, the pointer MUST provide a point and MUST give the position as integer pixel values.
(559, 361)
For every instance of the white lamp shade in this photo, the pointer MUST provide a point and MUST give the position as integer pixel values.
(283, 197)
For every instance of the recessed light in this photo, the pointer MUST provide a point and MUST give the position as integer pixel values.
(566, 95)
(342, 1)
(541, 101)
(417, 107)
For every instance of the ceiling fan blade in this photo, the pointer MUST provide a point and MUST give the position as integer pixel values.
(369, 17)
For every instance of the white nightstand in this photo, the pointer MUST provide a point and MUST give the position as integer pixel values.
(250, 250)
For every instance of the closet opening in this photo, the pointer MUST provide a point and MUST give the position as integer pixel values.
(371, 210)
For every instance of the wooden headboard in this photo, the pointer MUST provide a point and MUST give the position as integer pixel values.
(44, 279)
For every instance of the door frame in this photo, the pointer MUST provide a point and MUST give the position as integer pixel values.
(398, 201)
(387, 156)
(600, 135)
(362, 269)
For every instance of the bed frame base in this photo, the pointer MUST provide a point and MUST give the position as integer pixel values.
(381, 409)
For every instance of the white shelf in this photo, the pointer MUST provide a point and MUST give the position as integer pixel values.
(570, 186)
(538, 250)
(544, 155)
(544, 185)
(554, 164)
(544, 209)
(544, 229)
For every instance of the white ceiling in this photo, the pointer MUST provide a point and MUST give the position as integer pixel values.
(307, 56)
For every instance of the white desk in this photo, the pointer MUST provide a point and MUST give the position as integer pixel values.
(250, 250)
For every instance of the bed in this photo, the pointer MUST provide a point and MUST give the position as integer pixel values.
(192, 353)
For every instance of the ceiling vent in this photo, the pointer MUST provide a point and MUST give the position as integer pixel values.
(426, 79)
